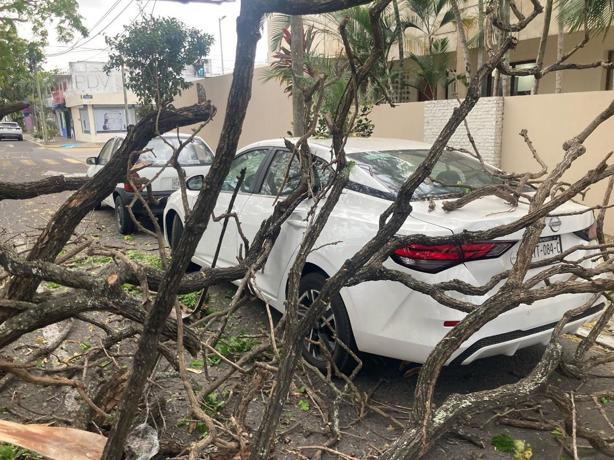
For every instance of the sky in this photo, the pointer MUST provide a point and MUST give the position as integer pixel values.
(123, 12)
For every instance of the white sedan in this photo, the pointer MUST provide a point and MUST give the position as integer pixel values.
(384, 317)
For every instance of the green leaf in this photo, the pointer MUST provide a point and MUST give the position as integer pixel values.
(503, 443)
(303, 405)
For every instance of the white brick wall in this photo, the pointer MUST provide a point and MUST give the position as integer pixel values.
(485, 123)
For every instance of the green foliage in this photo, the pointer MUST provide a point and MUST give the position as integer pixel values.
(363, 127)
(190, 299)
(598, 15)
(85, 346)
(335, 69)
(521, 450)
(20, 57)
(604, 400)
(213, 403)
(144, 258)
(231, 348)
(11, 452)
(154, 52)
(303, 405)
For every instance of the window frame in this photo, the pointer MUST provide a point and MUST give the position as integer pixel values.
(111, 142)
(514, 79)
(260, 173)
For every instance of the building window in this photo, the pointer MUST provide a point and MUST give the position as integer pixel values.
(609, 83)
(85, 120)
(111, 119)
(522, 85)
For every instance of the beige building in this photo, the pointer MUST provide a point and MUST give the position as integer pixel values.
(96, 102)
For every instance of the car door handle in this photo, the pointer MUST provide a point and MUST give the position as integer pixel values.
(298, 219)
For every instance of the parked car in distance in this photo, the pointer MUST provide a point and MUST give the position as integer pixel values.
(384, 317)
(10, 130)
(196, 158)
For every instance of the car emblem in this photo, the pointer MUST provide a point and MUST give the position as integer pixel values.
(555, 224)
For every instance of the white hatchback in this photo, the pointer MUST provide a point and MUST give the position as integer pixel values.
(384, 317)
(195, 158)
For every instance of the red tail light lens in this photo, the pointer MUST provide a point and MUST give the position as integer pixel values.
(589, 233)
(435, 258)
(129, 188)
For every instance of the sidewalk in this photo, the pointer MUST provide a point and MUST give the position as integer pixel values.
(63, 144)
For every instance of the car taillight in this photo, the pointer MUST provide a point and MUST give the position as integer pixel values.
(129, 188)
(589, 233)
(435, 258)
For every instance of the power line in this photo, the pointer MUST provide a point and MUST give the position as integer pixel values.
(93, 36)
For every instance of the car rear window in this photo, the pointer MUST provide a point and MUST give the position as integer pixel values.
(6, 124)
(196, 153)
(454, 174)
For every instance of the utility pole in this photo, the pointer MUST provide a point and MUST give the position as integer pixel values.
(42, 118)
(219, 24)
(125, 97)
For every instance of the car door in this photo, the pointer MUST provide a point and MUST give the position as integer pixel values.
(103, 158)
(252, 161)
(282, 177)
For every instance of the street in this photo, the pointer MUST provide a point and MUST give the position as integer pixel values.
(26, 161)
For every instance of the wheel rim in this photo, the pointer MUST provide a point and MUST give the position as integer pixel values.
(324, 331)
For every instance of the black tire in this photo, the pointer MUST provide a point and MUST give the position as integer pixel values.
(98, 206)
(176, 232)
(335, 321)
(125, 225)
(20, 138)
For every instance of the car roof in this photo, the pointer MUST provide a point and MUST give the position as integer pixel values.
(353, 145)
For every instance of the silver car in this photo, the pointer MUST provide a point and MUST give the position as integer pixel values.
(10, 130)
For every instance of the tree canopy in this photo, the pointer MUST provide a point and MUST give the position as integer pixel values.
(155, 51)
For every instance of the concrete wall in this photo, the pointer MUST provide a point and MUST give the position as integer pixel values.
(495, 123)
(551, 119)
(269, 114)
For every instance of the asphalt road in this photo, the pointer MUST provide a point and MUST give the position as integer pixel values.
(27, 161)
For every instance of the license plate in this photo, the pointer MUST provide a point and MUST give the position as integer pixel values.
(547, 247)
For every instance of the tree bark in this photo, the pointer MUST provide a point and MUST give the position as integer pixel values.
(297, 50)
(11, 107)
(248, 34)
(54, 184)
(560, 49)
(401, 45)
(539, 61)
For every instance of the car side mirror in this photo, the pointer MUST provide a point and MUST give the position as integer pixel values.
(195, 183)
(92, 161)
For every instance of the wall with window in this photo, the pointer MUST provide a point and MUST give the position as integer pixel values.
(100, 116)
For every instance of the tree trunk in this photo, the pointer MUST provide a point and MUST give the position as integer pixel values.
(506, 89)
(401, 44)
(480, 57)
(11, 107)
(542, 45)
(560, 49)
(297, 50)
(248, 34)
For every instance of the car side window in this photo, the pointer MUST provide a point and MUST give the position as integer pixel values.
(250, 161)
(284, 174)
(106, 152)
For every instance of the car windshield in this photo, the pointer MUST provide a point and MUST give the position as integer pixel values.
(454, 173)
(196, 153)
(9, 125)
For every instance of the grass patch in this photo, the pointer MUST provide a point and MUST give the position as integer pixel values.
(144, 258)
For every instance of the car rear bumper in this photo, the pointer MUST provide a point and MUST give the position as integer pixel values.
(156, 202)
(391, 320)
(11, 135)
